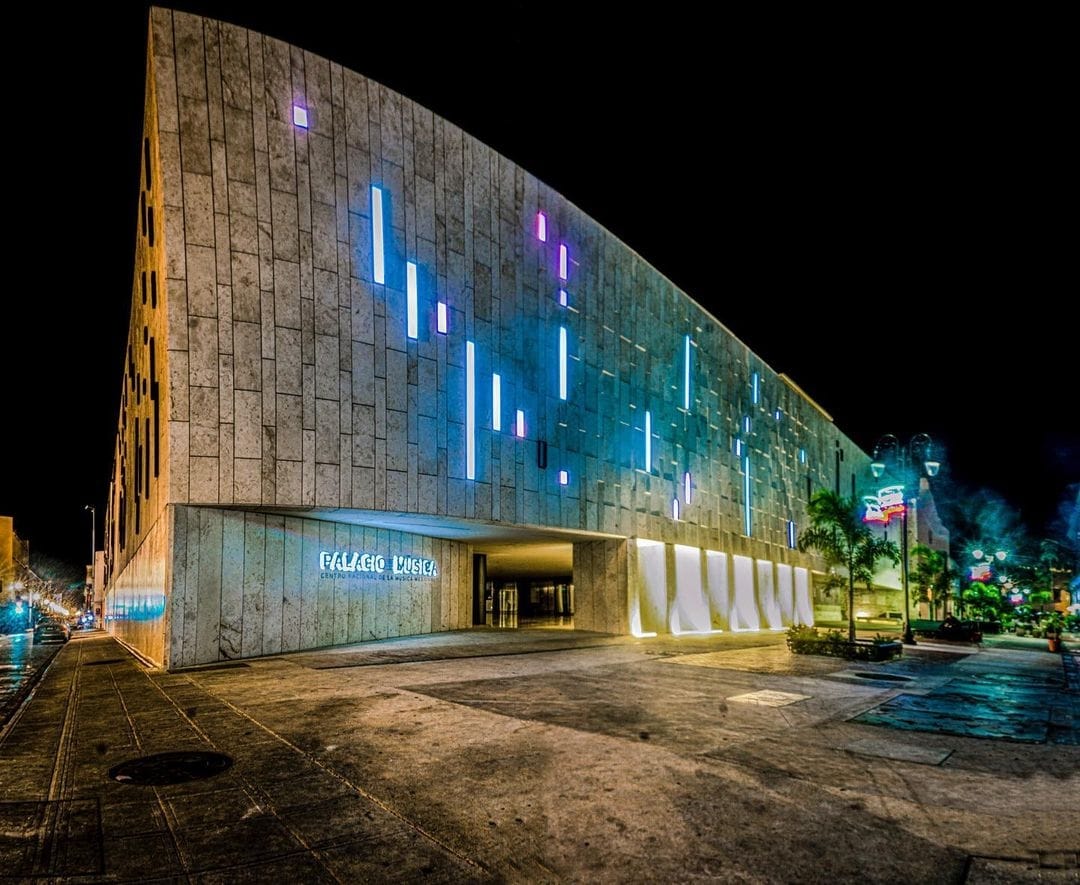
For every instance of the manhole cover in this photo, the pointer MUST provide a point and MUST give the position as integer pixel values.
(170, 768)
(888, 677)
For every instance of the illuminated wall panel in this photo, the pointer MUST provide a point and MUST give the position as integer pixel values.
(652, 589)
(690, 613)
(785, 594)
(719, 589)
(804, 607)
(744, 614)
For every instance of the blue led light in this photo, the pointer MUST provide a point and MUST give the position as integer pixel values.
(686, 374)
(746, 424)
(757, 388)
(564, 477)
(777, 414)
(791, 534)
(496, 402)
(648, 441)
(562, 362)
(748, 524)
(378, 254)
(802, 456)
(412, 319)
(470, 410)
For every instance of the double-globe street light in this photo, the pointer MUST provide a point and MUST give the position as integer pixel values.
(904, 464)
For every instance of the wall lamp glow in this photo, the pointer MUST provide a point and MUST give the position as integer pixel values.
(442, 322)
(299, 116)
(519, 424)
(412, 319)
(564, 263)
(541, 227)
(496, 402)
(377, 246)
(564, 477)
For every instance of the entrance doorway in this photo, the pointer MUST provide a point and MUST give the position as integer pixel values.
(524, 585)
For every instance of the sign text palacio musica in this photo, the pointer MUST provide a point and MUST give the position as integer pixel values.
(342, 563)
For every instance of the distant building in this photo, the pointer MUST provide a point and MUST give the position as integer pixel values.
(14, 559)
(382, 381)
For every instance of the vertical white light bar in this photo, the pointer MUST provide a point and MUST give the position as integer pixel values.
(562, 362)
(748, 524)
(757, 388)
(562, 298)
(564, 477)
(379, 268)
(686, 484)
(410, 295)
(648, 442)
(541, 227)
(674, 508)
(470, 410)
(802, 456)
(442, 321)
(496, 402)
(791, 534)
(563, 262)
(519, 424)
(686, 375)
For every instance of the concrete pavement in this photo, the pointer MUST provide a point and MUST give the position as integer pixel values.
(539, 756)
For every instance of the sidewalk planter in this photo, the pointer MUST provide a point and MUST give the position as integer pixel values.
(803, 640)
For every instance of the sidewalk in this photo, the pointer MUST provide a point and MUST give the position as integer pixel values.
(527, 756)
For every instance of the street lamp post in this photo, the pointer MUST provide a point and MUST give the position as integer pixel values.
(93, 550)
(904, 457)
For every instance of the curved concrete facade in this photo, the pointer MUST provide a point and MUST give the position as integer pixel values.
(355, 328)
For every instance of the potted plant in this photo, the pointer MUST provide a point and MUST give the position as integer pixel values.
(1053, 624)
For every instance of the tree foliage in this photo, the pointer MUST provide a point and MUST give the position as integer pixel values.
(842, 539)
(931, 577)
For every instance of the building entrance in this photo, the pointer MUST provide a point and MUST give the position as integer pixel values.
(524, 585)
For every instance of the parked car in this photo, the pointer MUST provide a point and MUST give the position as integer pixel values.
(48, 630)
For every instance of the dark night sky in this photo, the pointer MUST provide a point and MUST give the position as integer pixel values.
(880, 207)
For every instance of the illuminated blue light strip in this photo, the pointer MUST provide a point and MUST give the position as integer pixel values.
(791, 533)
(564, 477)
(648, 442)
(412, 319)
(686, 375)
(379, 262)
(562, 362)
(519, 424)
(746, 424)
(748, 524)
(777, 414)
(564, 263)
(496, 402)
(686, 486)
(802, 456)
(757, 388)
(470, 410)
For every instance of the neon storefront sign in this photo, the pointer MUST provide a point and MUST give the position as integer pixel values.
(343, 561)
(887, 503)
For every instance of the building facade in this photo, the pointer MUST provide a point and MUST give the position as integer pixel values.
(366, 351)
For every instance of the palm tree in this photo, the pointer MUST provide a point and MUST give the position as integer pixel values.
(840, 536)
(931, 576)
